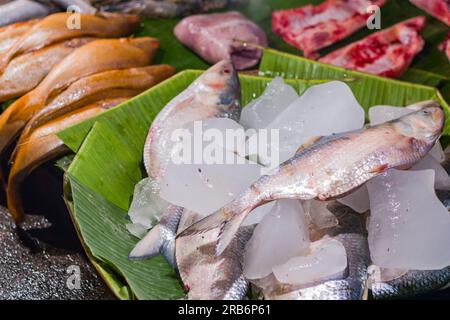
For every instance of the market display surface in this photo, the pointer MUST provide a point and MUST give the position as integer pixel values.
(348, 202)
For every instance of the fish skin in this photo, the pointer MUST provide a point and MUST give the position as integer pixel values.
(414, 282)
(36, 65)
(22, 10)
(54, 29)
(44, 145)
(161, 238)
(9, 34)
(205, 276)
(94, 57)
(359, 156)
(214, 94)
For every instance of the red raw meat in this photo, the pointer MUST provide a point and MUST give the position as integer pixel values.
(311, 28)
(386, 53)
(445, 46)
(439, 9)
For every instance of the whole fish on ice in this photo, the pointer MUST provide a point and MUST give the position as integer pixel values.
(216, 93)
(334, 166)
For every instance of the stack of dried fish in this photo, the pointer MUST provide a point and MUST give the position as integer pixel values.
(64, 76)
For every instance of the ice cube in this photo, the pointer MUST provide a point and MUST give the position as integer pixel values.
(381, 114)
(322, 110)
(326, 260)
(357, 200)
(437, 152)
(258, 214)
(136, 229)
(261, 111)
(205, 188)
(441, 177)
(281, 235)
(147, 206)
(409, 226)
(320, 216)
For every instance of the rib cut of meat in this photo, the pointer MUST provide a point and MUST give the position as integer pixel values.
(311, 28)
(386, 53)
(445, 46)
(440, 9)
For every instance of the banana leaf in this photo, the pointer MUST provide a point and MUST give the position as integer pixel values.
(108, 164)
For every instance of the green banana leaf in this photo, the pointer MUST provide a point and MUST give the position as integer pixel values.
(108, 164)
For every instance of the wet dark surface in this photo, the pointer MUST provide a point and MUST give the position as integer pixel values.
(41, 259)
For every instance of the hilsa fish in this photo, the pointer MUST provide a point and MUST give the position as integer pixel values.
(205, 276)
(333, 167)
(409, 283)
(216, 93)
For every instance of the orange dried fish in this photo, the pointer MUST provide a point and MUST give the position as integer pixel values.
(44, 145)
(94, 57)
(25, 72)
(108, 84)
(9, 34)
(54, 28)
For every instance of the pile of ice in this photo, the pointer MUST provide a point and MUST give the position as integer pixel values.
(408, 226)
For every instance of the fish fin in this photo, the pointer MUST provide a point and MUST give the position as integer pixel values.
(149, 246)
(380, 169)
(215, 220)
(225, 220)
(228, 232)
(308, 143)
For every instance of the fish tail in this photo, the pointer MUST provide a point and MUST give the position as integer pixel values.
(227, 220)
(150, 246)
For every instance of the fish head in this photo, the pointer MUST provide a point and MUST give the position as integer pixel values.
(425, 124)
(220, 87)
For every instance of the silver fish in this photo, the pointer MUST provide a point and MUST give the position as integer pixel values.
(216, 93)
(161, 238)
(351, 287)
(22, 10)
(164, 8)
(412, 283)
(333, 167)
(205, 276)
